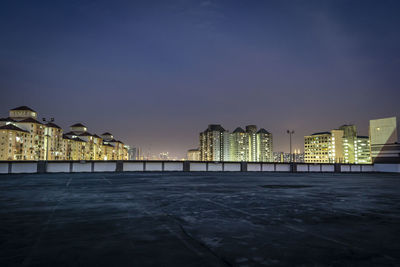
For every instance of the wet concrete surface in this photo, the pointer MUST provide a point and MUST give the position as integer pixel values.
(200, 219)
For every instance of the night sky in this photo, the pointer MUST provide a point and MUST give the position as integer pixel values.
(156, 73)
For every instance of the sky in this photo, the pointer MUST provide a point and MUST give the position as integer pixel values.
(156, 73)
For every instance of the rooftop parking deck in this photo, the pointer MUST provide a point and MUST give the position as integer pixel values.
(199, 219)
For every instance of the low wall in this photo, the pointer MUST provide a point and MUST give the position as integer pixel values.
(58, 167)
(153, 166)
(179, 166)
(3, 167)
(81, 167)
(24, 167)
(198, 167)
(173, 166)
(133, 166)
(381, 167)
(105, 166)
(232, 167)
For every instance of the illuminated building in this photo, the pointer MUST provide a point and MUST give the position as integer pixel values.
(384, 139)
(324, 147)
(116, 148)
(212, 143)
(13, 143)
(349, 143)
(53, 142)
(217, 144)
(193, 154)
(239, 145)
(362, 150)
(251, 133)
(264, 146)
(337, 146)
(23, 137)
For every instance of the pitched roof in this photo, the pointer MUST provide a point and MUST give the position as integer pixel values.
(239, 130)
(66, 137)
(71, 133)
(262, 130)
(12, 128)
(215, 127)
(86, 134)
(78, 139)
(95, 135)
(106, 133)
(78, 125)
(30, 120)
(23, 108)
(321, 133)
(7, 119)
(52, 125)
(105, 144)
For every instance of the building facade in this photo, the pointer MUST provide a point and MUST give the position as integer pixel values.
(384, 140)
(217, 144)
(23, 137)
(341, 145)
(193, 154)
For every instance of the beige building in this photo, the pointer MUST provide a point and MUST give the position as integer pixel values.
(324, 147)
(193, 154)
(13, 143)
(23, 137)
(337, 146)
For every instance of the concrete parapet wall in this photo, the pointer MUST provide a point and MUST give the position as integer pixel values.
(173, 166)
(253, 167)
(180, 166)
(315, 167)
(133, 166)
(345, 168)
(105, 167)
(282, 167)
(232, 167)
(4, 167)
(153, 166)
(215, 167)
(328, 168)
(58, 167)
(381, 167)
(268, 167)
(81, 167)
(23, 167)
(302, 167)
(198, 167)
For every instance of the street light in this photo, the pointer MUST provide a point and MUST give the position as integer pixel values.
(47, 139)
(290, 138)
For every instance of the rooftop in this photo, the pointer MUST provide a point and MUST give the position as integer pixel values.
(78, 125)
(200, 219)
(320, 133)
(12, 128)
(263, 131)
(23, 108)
(52, 125)
(238, 130)
(30, 120)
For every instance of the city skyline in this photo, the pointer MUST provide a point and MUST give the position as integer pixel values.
(157, 72)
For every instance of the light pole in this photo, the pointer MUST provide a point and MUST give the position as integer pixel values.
(47, 138)
(290, 138)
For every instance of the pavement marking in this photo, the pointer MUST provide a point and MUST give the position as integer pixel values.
(107, 180)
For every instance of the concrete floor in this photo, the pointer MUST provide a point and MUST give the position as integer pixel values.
(200, 219)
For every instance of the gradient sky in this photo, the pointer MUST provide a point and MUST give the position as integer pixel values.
(156, 73)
